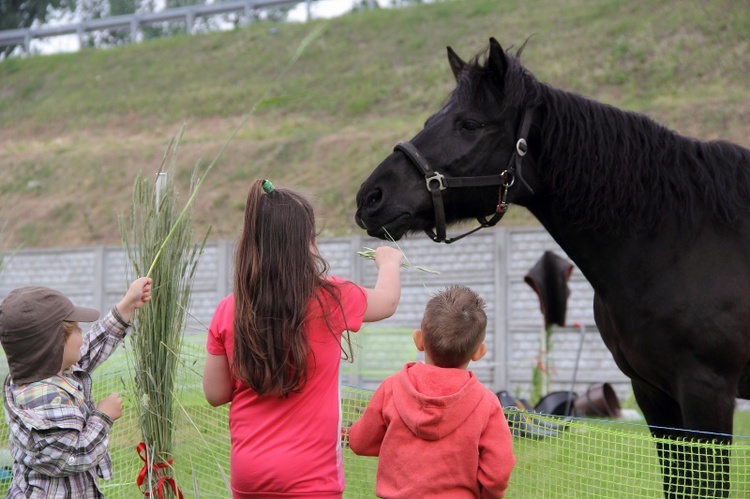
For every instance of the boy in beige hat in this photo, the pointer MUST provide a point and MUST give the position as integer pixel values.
(58, 434)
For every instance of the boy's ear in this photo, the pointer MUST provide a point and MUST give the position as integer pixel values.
(480, 352)
(419, 339)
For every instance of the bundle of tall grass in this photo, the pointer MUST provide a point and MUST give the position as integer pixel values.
(159, 243)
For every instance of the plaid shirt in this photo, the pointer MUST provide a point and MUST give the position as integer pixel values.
(58, 439)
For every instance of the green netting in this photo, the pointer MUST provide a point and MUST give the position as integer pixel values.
(585, 459)
(360, 471)
(201, 443)
(378, 352)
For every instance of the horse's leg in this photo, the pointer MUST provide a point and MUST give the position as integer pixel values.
(700, 400)
(693, 467)
(707, 403)
(663, 414)
(690, 468)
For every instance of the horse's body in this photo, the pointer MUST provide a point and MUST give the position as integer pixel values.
(658, 223)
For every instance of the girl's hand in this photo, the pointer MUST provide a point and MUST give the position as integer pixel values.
(385, 255)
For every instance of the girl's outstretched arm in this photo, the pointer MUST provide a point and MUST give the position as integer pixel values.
(382, 300)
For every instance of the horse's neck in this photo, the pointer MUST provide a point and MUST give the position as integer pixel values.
(606, 255)
(585, 247)
(576, 212)
(618, 191)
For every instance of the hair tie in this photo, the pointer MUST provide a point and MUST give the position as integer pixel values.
(268, 186)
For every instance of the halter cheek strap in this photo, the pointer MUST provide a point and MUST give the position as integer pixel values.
(522, 147)
(436, 183)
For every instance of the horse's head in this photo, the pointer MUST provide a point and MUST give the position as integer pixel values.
(467, 160)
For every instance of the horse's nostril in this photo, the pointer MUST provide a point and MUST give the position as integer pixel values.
(373, 198)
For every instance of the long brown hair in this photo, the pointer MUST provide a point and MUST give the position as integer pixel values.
(277, 273)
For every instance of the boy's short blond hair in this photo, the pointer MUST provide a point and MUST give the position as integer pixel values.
(453, 326)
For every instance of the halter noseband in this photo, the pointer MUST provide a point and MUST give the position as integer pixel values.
(436, 183)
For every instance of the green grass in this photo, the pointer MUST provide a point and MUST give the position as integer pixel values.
(201, 440)
(595, 459)
(97, 117)
(590, 459)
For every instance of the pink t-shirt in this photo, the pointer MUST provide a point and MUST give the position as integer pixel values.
(291, 446)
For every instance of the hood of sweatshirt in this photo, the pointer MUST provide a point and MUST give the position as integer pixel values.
(434, 401)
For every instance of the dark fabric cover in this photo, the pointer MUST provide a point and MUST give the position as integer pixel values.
(549, 279)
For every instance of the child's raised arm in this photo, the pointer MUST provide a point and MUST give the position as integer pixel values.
(382, 300)
(99, 342)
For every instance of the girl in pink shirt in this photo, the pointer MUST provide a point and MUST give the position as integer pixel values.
(274, 348)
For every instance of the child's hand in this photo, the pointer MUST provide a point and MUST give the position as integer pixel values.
(139, 292)
(137, 296)
(111, 405)
(386, 254)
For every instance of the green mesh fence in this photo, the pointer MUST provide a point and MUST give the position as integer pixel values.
(201, 444)
(586, 458)
(378, 352)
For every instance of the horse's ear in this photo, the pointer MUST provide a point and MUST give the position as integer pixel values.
(497, 62)
(457, 65)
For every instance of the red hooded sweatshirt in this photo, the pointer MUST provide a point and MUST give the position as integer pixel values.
(439, 433)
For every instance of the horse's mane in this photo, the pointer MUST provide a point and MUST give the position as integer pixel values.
(612, 167)
(609, 167)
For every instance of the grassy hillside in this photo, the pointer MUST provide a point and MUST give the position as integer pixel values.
(76, 128)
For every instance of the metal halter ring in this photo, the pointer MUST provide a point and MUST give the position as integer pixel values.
(440, 180)
(521, 147)
(508, 178)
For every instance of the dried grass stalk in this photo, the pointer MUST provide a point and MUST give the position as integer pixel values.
(369, 254)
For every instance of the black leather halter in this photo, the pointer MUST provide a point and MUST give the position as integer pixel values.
(437, 182)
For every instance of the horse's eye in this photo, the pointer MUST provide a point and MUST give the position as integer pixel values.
(470, 125)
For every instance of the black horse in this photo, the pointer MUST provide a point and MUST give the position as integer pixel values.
(658, 223)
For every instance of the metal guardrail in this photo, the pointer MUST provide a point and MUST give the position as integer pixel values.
(134, 22)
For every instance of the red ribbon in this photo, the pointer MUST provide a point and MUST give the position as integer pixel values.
(143, 454)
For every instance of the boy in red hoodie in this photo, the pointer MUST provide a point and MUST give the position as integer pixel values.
(438, 431)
